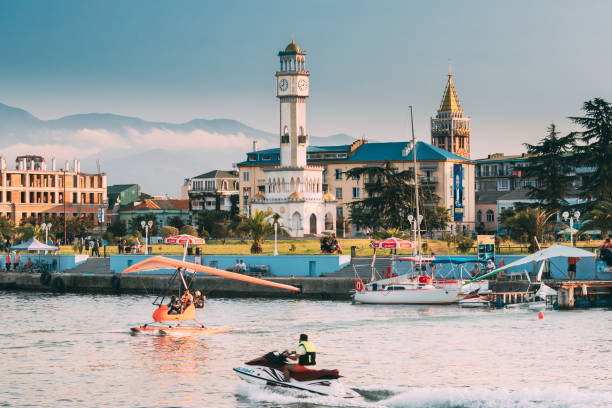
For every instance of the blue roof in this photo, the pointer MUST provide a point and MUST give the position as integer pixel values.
(367, 152)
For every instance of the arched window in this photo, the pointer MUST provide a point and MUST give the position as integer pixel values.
(490, 216)
(479, 216)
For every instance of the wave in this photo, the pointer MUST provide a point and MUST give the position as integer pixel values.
(434, 397)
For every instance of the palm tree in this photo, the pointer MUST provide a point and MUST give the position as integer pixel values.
(28, 231)
(259, 226)
(532, 222)
(600, 217)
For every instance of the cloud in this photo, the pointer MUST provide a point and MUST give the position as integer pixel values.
(83, 143)
(197, 139)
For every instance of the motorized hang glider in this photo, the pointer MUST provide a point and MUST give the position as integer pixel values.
(555, 251)
(163, 314)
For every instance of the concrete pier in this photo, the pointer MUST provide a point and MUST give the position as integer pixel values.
(314, 288)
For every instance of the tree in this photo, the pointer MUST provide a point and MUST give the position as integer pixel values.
(168, 231)
(436, 217)
(212, 222)
(118, 228)
(189, 230)
(596, 149)
(599, 218)
(389, 197)
(7, 228)
(259, 226)
(532, 222)
(176, 222)
(135, 223)
(29, 231)
(549, 164)
(235, 202)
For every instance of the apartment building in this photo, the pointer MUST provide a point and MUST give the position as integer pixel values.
(34, 190)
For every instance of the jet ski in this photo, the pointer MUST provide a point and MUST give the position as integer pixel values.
(267, 370)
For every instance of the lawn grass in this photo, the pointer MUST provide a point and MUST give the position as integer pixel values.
(312, 247)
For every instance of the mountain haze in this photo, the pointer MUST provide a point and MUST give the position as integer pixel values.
(156, 155)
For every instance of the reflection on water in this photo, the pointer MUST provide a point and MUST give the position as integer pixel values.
(76, 351)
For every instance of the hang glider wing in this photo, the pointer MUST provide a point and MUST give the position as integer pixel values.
(161, 262)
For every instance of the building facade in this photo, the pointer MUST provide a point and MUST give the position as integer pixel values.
(436, 168)
(34, 191)
(449, 129)
(214, 190)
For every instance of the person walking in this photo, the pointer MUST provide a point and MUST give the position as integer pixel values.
(81, 243)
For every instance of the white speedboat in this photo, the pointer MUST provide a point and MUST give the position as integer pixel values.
(267, 370)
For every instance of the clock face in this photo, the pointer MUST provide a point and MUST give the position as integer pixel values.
(283, 84)
(302, 84)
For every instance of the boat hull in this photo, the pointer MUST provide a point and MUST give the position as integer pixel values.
(274, 377)
(180, 330)
(427, 296)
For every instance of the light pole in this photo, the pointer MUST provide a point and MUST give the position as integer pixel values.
(566, 216)
(46, 227)
(414, 225)
(275, 236)
(146, 226)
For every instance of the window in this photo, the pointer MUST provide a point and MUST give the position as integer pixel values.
(477, 186)
(339, 193)
(245, 176)
(355, 192)
(503, 184)
(338, 174)
(479, 216)
(338, 211)
(490, 216)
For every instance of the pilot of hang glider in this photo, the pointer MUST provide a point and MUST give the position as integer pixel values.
(174, 305)
(186, 300)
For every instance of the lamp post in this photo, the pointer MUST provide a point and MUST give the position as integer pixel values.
(413, 222)
(566, 216)
(46, 227)
(146, 226)
(275, 236)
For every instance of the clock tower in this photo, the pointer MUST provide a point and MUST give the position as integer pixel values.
(292, 91)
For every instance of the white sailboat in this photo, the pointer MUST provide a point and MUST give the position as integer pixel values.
(405, 289)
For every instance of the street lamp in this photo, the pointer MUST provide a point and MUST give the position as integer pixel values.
(275, 236)
(146, 226)
(414, 228)
(46, 227)
(566, 216)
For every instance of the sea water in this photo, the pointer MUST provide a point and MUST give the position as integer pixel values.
(77, 351)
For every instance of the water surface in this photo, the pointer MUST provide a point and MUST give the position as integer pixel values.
(76, 351)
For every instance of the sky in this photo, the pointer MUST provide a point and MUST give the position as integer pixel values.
(517, 66)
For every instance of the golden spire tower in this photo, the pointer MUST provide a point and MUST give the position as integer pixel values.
(449, 129)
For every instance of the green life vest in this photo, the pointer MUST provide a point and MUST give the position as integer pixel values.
(309, 358)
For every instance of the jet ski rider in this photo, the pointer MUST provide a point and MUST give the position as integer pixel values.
(305, 353)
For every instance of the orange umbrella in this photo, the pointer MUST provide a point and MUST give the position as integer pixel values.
(184, 239)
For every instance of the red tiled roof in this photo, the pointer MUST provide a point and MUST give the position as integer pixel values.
(149, 204)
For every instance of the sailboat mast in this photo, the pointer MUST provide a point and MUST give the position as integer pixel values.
(416, 185)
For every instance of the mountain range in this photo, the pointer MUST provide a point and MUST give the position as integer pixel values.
(156, 155)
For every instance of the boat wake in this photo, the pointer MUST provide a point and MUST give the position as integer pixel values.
(430, 397)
